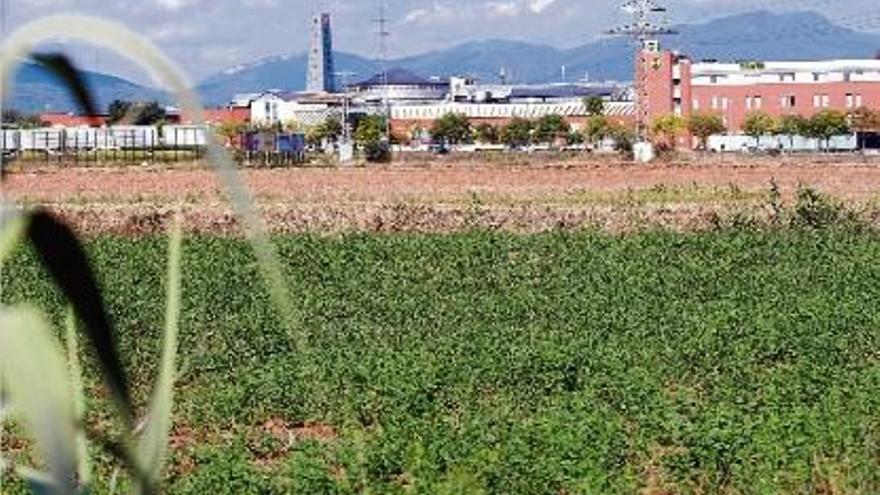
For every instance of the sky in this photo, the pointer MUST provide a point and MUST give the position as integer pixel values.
(207, 36)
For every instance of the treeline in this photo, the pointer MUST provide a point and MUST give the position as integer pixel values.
(118, 112)
(821, 126)
(454, 129)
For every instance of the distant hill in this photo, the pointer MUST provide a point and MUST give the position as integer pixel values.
(757, 35)
(36, 91)
(279, 72)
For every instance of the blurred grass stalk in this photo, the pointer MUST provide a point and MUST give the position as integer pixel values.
(50, 398)
(116, 37)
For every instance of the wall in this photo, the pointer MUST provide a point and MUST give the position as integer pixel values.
(771, 96)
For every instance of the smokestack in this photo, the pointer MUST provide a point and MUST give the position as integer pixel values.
(321, 74)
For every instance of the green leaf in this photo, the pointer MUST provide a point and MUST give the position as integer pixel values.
(34, 376)
(10, 237)
(65, 259)
(61, 67)
(154, 443)
(79, 399)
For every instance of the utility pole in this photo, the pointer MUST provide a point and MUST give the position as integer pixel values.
(344, 77)
(383, 34)
(346, 145)
(644, 31)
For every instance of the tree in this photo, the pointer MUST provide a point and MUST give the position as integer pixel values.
(667, 128)
(328, 130)
(229, 132)
(597, 128)
(549, 128)
(623, 136)
(827, 124)
(758, 124)
(452, 128)
(595, 105)
(703, 125)
(486, 133)
(791, 126)
(517, 133)
(574, 138)
(15, 118)
(370, 137)
(149, 113)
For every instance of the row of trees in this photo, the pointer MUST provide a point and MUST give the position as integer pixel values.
(821, 126)
(666, 129)
(455, 129)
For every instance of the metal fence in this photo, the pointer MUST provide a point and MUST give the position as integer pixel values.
(149, 144)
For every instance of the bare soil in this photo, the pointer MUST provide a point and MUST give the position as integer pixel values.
(440, 197)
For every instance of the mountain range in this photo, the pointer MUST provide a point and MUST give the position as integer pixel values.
(760, 35)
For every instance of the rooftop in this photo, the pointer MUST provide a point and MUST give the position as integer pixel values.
(399, 77)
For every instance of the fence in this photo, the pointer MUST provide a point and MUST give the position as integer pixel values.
(136, 144)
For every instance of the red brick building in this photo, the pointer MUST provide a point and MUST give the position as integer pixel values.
(673, 84)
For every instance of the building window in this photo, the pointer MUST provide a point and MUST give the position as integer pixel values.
(715, 103)
(788, 101)
(788, 77)
(696, 104)
(817, 77)
(713, 79)
(821, 101)
(850, 100)
(859, 100)
(748, 102)
(759, 102)
(725, 103)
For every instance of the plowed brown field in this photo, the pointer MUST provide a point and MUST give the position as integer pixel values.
(437, 198)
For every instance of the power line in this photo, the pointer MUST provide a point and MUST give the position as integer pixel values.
(644, 31)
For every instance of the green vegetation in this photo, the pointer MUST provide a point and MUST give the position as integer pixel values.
(517, 133)
(149, 113)
(667, 128)
(737, 361)
(370, 137)
(16, 119)
(550, 128)
(486, 133)
(327, 131)
(595, 106)
(452, 128)
(758, 125)
(825, 125)
(703, 125)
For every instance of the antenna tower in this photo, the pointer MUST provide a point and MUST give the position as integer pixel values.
(643, 31)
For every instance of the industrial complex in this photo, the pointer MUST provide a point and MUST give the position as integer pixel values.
(665, 83)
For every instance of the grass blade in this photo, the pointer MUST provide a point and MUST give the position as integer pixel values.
(66, 261)
(79, 399)
(35, 378)
(154, 443)
(60, 66)
(10, 238)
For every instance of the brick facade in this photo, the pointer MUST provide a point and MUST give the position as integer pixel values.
(673, 84)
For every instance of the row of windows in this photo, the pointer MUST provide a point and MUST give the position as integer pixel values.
(792, 77)
(756, 102)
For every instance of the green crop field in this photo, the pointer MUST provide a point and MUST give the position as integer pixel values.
(742, 361)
